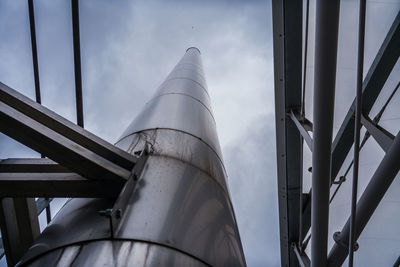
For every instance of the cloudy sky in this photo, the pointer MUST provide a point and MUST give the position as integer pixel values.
(128, 48)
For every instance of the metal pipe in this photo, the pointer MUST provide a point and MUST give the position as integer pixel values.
(326, 34)
(357, 126)
(369, 201)
(77, 61)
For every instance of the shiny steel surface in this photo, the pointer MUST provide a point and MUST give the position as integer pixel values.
(185, 86)
(177, 112)
(116, 254)
(179, 210)
(181, 146)
(179, 204)
(187, 109)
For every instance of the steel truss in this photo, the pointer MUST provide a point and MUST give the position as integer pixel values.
(292, 128)
(79, 164)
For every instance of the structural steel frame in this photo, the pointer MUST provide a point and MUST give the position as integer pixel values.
(292, 129)
(80, 164)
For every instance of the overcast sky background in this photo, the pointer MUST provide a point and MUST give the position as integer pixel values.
(127, 49)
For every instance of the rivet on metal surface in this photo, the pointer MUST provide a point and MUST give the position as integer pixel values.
(341, 180)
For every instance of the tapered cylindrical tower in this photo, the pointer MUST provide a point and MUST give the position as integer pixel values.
(178, 213)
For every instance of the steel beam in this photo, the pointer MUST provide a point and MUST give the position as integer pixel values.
(37, 165)
(381, 136)
(377, 75)
(34, 50)
(287, 32)
(357, 125)
(302, 129)
(66, 128)
(42, 204)
(369, 201)
(303, 259)
(19, 226)
(77, 61)
(57, 147)
(326, 37)
(52, 185)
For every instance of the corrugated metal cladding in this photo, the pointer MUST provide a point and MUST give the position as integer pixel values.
(181, 213)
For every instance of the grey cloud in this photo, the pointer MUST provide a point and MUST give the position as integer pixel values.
(251, 164)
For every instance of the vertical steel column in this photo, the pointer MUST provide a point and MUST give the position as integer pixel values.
(326, 36)
(77, 61)
(369, 201)
(357, 126)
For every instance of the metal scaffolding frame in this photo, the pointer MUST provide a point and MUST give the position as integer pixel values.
(298, 212)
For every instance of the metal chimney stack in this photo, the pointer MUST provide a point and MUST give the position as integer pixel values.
(175, 210)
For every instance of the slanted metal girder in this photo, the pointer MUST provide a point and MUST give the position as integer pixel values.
(303, 127)
(287, 32)
(382, 136)
(368, 202)
(377, 75)
(61, 140)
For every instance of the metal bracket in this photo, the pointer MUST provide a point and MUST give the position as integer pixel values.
(338, 240)
(303, 125)
(304, 260)
(116, 213)
(382, 136)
